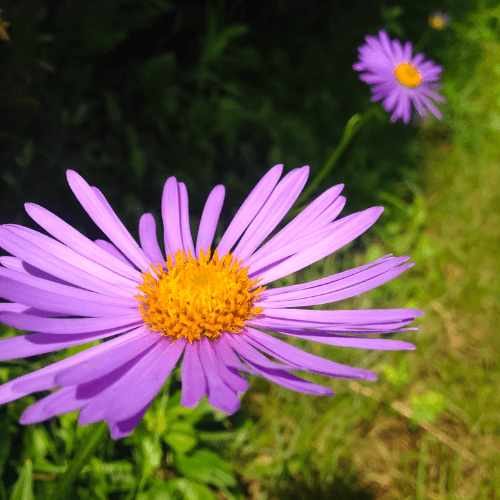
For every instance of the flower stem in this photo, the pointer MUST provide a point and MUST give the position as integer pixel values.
(353, 125)
(423, 40)
(90, 443)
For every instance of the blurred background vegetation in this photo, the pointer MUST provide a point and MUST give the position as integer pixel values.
(129, 92)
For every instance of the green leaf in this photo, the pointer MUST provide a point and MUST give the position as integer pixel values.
(23, 489)
(189, 490)
(151, 452)
(427, 406)
(181, 436)
(92, 440)
(206, 467)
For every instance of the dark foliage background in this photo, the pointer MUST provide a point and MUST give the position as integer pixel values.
(130, 92)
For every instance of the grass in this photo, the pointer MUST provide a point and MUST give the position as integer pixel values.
(429, 428)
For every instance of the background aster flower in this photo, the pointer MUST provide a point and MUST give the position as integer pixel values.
(209, 309)
(398, 78)
(438, 20)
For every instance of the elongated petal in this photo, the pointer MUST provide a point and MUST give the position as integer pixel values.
(171, 215)
(250, 208)
(187, 238)
(49, 296)
(115, 252)
(219, 394)
(104, 363)
(43, 379)
(67, 326)
(274, 209)
(339, 289)
(302, 222)
(53, 264)
(64, 400)
(251, 355)
(24, 346)
(101, 277)
(230, 376)
(300, 319)
(194, 384)
(290, 381)
(342, 235)
(303, 360)
(77, 241)
(135, 388)
(123, 428)
(149, 239)
(286, 290)
(106, 219)
(355, 342)
(209, 219)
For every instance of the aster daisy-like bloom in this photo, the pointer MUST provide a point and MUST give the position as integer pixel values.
(398, 78)
(208, 308)
(439, 20)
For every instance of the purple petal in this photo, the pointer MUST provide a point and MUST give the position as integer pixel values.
(339, 289)
(354, 342)
(299, 319)
(106, 219)
(170, 212)
(100, 277)
(219, 395)
(12, 263)
(64, 400)
(187, 238)
(112, 250)
(272, 212)
(77, 241)
(343, 233)
(106, 362)
(250, 208)
(67, 326)
(124, 427)
(194, 385)
(148, 239)
(291, 381)
(251, 355)
(271, 292)
(81, 395)
(302, 360)
(135, 388)
(49, 296)
(210, 218)
(229, 375)
(24, 346)
(52, 264)
(227, 355)
(43, 379)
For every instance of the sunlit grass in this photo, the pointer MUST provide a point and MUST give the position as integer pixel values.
(429, 428)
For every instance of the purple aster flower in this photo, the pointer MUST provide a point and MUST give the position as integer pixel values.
(439, 20)
(399, 78)
(211, 309)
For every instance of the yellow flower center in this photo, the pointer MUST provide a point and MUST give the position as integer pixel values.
(436, 22)
(408, 75)
(197, 297)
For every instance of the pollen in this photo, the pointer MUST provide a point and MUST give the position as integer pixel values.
(191, 298)
(408, 75)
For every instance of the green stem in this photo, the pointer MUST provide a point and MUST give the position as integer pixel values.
(90, 443)
(423, 40)
(351, 128)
